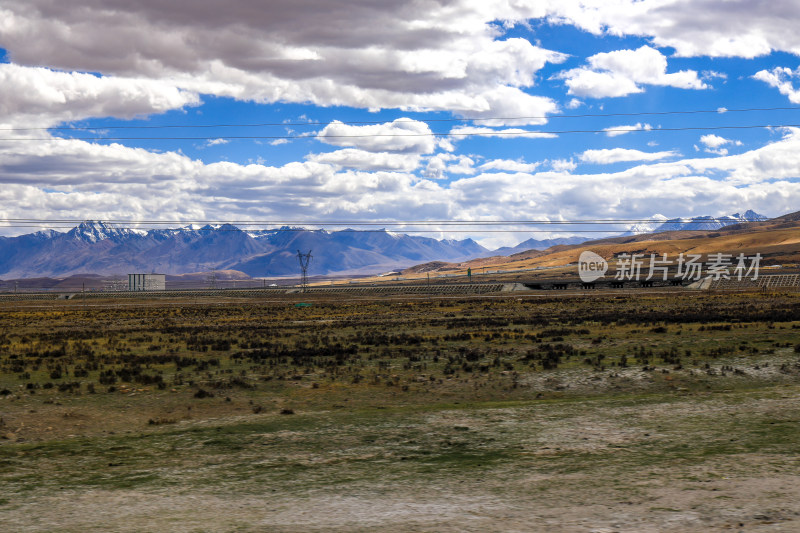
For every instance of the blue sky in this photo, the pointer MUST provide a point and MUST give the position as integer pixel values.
(362, 110)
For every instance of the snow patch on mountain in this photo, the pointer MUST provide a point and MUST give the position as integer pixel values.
(93, 231)
(708, 222)
(646, 227)
(105, 248)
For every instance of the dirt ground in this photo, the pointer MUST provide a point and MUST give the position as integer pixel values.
(710, 442)
(750, 505)
(591, 465)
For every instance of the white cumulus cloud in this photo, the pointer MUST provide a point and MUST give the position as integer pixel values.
(76, 179)
(622, 72)
(364, 160)
(730, 28)
(615, 131)
(617, 155)
(442, 165)
(401, 135)
(479, 131)
(44, 97)
(714, 144)
(509, 165)
(563, 165)
(781, 78)
(216, 142)
(425, 55)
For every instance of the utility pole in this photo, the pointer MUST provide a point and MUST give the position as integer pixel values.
(305, 260)
(429, 286)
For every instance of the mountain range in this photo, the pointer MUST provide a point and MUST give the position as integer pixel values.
(543, 244)
(663, 224)
(106, 249)
(101, 248)
(776, 241)
(695, 223)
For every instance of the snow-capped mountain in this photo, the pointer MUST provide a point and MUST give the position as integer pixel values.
(709, 222)
(646, 227)
(92, 231)
(102, 248)
(659, 224)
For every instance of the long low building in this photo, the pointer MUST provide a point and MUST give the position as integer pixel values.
(147, 282)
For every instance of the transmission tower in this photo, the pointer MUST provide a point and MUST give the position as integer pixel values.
(211, 279)
(304, 259)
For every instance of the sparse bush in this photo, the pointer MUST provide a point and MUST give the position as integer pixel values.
(161, 421)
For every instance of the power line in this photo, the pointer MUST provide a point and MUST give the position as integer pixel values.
(415, 227)
(405, 119)
(408, 230)
(118, 222)
(492, 133)
(411, 230)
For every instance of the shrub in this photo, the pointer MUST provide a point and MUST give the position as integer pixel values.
(159, 421)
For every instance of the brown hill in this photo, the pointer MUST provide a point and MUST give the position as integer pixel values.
(777, 240)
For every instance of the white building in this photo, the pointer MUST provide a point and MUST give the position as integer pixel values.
(146, 282)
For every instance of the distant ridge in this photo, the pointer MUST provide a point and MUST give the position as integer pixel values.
(543, 244)
(698, 223)
(776, 239)
(701, 223)
(101, 248)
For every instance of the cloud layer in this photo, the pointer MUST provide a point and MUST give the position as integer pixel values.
(51, 178)
(733, 28)
(420, 55)
(71, 61)
(40, 97)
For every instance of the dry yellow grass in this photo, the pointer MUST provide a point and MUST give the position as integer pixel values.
(776, 243)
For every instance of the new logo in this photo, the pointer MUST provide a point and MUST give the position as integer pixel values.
(591, 267)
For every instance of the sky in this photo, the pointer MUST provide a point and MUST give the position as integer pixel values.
(369, 113)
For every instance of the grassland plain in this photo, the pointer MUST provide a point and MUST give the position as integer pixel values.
(617, 412)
